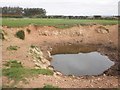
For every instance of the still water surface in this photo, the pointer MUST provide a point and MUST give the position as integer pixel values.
(92, 63)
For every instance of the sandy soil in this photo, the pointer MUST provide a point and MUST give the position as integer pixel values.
(105, 37)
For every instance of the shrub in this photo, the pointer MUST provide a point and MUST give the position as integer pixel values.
(20, 34)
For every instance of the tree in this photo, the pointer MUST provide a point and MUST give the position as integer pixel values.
(34, 12)
(12, 11)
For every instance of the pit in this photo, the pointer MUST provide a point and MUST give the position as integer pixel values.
(82, 60)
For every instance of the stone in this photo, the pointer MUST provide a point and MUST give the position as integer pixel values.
(38, 58)
(102, 30)
(38, 64)
(37, 67)
(50, 68)
(49, 55)
(58, 73)
(55, 33)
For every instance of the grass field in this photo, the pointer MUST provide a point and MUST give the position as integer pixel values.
(59, 23)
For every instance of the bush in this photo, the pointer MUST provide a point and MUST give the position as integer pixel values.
(20, 34)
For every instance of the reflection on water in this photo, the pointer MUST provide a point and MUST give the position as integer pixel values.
(92, 63)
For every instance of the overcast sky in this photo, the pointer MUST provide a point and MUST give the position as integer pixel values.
(68, 7)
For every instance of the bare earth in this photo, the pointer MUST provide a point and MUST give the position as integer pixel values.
(105, 37)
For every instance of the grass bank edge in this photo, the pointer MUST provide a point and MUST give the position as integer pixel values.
(58, 23)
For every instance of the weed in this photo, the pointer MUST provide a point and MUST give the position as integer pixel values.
(12, 48)
(13, 63)
(50, 87)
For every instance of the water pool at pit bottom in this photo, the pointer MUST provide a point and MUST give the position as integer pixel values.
(80, 64)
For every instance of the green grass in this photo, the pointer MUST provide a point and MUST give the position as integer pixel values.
(50, 87)
(10, 48)
(13, 63)
(58, 23)
(17, 72)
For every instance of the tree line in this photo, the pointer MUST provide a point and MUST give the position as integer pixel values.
(19, 12)
(22, 12)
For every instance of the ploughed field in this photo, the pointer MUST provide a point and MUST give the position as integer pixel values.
(30, 44)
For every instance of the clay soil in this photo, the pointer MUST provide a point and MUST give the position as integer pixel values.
(49, 39)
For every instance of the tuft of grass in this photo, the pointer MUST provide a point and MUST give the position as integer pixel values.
(13, 63)
(13, 48)
(41, 71)
(50, 87)
(20, 73)
(20, 34)
(17, 72)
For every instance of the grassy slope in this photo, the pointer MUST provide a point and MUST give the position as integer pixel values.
(59, 23)
(17, 72)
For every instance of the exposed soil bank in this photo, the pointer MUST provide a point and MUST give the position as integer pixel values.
(103, 39)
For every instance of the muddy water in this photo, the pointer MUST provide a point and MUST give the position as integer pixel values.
(92, 63)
